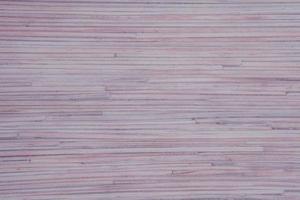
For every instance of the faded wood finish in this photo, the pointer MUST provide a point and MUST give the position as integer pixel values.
(150, 99)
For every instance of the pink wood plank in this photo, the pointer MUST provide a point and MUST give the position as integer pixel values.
(150, 100)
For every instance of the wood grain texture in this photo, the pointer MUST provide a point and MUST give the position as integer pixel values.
(150, 99)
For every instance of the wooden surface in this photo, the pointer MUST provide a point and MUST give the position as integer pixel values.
(150, 99)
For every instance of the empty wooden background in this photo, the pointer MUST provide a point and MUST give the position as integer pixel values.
(150, 99)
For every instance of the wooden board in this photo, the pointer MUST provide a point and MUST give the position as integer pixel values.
(150, 99)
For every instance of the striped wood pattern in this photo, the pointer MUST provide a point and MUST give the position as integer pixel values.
(150, 99)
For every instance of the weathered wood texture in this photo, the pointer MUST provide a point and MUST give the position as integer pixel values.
(150, 99)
